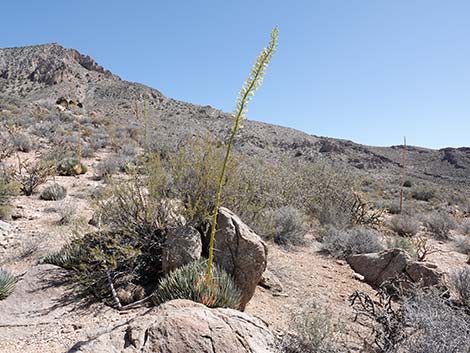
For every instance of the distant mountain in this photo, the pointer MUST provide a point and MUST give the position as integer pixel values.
(43, 74)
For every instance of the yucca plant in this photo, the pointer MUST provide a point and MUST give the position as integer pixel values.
(7, 283)
(253, 82)
(188, 282)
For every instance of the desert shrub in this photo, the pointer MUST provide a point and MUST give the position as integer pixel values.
(107, 167)
(104, 261)
(22, 142)
(71, 167)
(406, 244)
(285, 226)
(404, 225)
(53, 192)
(464, 227)
(462, 244)
(359, 240)
(189, 282)
(407, 184)
(460, 282)
(7, 283)
(439, 224)
(29, 175)
(7, 189)
(392, 208)
(67, 213)
(423, 193)
(314, 333)
(6, 146)
(434, 325)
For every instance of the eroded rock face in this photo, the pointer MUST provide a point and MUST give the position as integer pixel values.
(182, 245)
(239, 251)
(425, 273)
(183, 326)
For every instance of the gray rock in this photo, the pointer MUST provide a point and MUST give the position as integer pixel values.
(270, 281)
(241, 252)
(182, 245)
(182, 326)
(425, 273)
(379, 267)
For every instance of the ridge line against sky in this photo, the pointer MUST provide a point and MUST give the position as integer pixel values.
(365, 71)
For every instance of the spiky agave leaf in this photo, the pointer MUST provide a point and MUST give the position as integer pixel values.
(189, 282)
(7, 283)
(68, 257)
(246, 93)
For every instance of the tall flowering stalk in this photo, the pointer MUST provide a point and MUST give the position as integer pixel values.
(253, 82)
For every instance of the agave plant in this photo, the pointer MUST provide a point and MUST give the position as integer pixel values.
(189, 282)
(68, 257)
(7, 283)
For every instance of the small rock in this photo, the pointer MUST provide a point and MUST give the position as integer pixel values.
(270, 281)
(358, 277)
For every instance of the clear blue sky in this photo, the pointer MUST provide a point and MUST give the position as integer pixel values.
(365, 70)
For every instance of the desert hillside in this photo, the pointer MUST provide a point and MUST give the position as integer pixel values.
(106, 194)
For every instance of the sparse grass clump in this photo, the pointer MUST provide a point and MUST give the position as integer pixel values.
(7, 283)
(53, 192)
(22, 142)
(285, 226)
(359, 240)
(404, 225)
(439, 224)
(189, 282)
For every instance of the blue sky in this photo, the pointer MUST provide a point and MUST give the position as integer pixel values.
(366, 70)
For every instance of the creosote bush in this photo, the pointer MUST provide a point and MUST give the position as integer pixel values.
(189, 282)
(53, 192)
(359, 240)
(7, 283)
(404, 225)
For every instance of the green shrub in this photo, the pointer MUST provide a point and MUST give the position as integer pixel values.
(359, 240)
(404, 225)
(285, 226)
(407, 184)
(71, 167)
(53, 192)
(189, 282)
(7, 283)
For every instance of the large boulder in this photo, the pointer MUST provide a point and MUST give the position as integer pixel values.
(182, 245)
(239, 251)
(379, 267)
(425, 273)
(183, 326)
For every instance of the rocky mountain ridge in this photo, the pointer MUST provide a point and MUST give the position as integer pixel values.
(42, 74)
